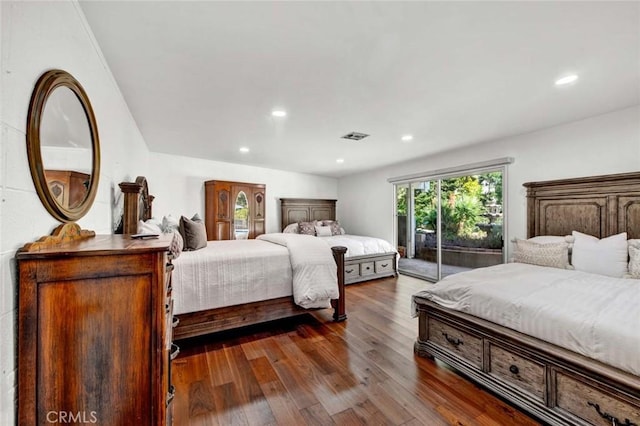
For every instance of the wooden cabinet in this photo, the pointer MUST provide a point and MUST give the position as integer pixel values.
(234, 210)
(95, 331)
(68, 187)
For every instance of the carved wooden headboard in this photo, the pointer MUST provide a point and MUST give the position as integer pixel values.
(137, 204)
(295, 210)
(597, 205)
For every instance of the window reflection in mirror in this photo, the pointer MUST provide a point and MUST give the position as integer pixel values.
(241, 217)
(66, 147)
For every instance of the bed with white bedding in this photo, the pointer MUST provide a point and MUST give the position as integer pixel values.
(367, 258)
(222, 285)
(562, 344)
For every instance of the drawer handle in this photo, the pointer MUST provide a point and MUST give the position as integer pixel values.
(175, 322)
(614, 420)
(454, 342)
(169, 267)
(175, 350)
(514, 369)
(348, 271)
(368, 268)
(384, 265)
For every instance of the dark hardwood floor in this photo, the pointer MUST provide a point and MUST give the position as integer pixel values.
(311, 371)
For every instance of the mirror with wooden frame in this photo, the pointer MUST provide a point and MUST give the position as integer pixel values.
(63, 146)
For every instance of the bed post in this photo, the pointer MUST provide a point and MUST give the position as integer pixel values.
(338, 304)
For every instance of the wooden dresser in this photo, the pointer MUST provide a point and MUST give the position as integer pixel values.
(95, 332)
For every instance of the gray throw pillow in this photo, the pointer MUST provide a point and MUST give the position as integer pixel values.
(193, 233)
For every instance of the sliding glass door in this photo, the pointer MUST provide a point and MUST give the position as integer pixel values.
(450, 224)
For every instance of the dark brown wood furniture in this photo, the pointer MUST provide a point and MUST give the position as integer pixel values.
(220, 201)
(558, 386)
(94, 330)
(226, 318)
(137, 204)
(68, 187)
(356, 268)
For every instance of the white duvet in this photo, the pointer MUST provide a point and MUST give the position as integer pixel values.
(315, 274)
(228, 273)
(358, 245)
(594, 315)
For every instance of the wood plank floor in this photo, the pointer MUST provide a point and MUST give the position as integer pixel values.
(311, 371)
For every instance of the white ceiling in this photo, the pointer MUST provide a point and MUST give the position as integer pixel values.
(201, 78)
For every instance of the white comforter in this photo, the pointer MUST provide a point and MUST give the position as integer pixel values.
(590, 314)
(315, 280)
(358, 245)
(228, 273)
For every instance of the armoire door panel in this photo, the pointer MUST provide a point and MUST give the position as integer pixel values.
(221, 225)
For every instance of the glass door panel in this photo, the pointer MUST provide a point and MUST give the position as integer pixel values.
(471, 222)
(450, 225)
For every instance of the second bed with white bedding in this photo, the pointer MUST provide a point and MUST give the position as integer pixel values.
(593, 315)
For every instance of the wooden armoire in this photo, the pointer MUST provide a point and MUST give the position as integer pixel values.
(222, 198)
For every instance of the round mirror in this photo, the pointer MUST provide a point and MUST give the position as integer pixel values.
(63, 146)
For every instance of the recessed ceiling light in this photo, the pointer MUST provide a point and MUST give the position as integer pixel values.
(407, 138)
(279, 113)
(566, 80)
(244, 149)
(340, 160)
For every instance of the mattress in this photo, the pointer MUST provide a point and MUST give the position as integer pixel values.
(593, 315)
(227, 273)
(358, 245)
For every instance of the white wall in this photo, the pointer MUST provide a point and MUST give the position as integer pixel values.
(36, 37)
(178, 184)
(604, 144)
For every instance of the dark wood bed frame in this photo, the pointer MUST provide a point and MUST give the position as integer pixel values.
(558, 386)
(138, 206)
(356, 268)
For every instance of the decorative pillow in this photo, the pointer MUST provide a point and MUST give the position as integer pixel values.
(176, 246)
(553, 255)
(170, 224)
(308, 228)
(149, 227)
(194, 234)
(607, 256)
(634, 243)
(323, 231)
(292, 228)
(335, 226)
(634, 262)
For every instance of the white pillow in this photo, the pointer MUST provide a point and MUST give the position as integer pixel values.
(292, 228)
(149, 227)
(634, 262)
(323, 231)
(634, 243)
(607, 256)
(170, 224)
(553, 255)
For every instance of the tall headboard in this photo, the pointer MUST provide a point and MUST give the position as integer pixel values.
(137, 204)
(597, 205)
(295, 210)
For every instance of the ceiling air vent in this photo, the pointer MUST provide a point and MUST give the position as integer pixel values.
(355, 136)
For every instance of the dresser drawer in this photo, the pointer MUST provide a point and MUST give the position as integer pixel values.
(457, 341)
(517, 370)
(383, 266)
(351, 272)
(367, 268)
(593, 405)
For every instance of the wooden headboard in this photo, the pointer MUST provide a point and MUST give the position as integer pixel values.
(295, 210)
(137, 204)
(597, 205)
